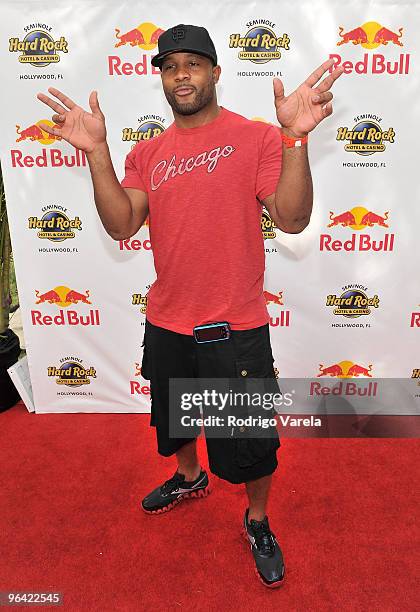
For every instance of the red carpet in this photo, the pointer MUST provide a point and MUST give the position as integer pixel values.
(344, 510)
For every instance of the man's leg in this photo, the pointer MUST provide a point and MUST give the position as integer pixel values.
(169, 355)
(257, 491)
(188, 463)
(247, 353)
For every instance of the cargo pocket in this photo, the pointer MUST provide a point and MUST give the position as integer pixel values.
(255, 442)
(258, 368)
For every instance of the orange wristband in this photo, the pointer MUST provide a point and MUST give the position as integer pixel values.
(293, 142)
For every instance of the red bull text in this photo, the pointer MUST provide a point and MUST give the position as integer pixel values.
(66, 317)
(357, 242)
(49, 158)
(344, 389)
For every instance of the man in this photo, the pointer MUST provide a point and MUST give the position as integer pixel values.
(203, 183)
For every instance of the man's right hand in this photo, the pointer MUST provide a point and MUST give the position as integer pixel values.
(83, 130)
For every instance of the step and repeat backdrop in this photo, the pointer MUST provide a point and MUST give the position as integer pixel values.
(343, 296)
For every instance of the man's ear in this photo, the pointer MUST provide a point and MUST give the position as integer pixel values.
(216, 73)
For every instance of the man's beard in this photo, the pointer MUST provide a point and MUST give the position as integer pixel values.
(201, 99)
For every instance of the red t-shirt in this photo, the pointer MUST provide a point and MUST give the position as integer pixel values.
(205, 220)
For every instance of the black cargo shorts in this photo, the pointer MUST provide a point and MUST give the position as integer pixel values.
(167, 354)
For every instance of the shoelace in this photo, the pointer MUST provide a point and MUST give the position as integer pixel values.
(264, 539)
(171, 483)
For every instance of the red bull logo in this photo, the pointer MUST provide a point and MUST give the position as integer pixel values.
(38, 47)
(51, 158)
(369, 219)
(282, 316)
(136, 386)
(134, 244)
(260, 44)
(34, 132)
(358, 218)
(145, 37)
(72, 373)
(371, 35)
(343, 370)
(63, 297)
(415, 319)
(274, 298)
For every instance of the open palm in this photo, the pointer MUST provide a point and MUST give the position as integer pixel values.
(81, 129)
(307, 105)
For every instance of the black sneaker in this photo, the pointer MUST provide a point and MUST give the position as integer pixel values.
(173, 491)
(269, 564)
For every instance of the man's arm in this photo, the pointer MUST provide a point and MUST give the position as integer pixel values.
(122, 211)
(290, 206)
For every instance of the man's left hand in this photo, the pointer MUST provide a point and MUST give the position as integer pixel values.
(307, 106)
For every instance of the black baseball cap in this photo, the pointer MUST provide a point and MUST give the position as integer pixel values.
(185, 38)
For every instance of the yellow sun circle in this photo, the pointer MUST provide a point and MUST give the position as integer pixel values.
(371, 27)
(358, 212)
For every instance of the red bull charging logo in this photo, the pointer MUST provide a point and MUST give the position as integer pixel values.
(358, 218)
(345, 369)
(54, 158)
(34, 132)
(371, 35)
(282, 316)
(145, 37)
(137, 387)
(63, 297)
(415, 319)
